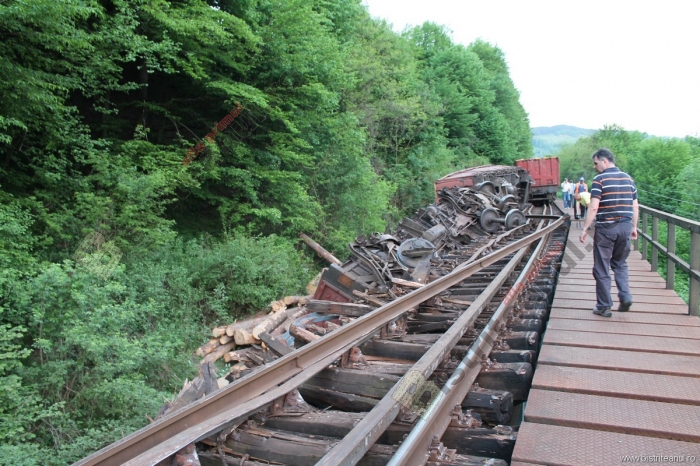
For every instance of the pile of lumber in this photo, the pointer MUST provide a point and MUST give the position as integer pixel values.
(255, 342)
(245, 342)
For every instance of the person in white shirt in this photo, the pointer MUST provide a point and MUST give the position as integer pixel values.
(566, 193)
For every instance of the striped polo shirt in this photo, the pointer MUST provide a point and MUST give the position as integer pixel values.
(616, 191)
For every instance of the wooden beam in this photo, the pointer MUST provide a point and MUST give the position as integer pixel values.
(324, 398)
(358, 382)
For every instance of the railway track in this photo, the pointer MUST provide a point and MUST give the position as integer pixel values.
(395, 386)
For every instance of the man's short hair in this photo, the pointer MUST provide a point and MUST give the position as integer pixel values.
(604, 153)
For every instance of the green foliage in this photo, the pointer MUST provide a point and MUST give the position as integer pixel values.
(672, 154)
(115, 257)
(507, 101)
(482, 113)
(106, 351)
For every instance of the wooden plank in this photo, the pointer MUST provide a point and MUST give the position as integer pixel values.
(643, 277)
(554, 445)
(511, 377)
(589, 302)
(358, 382)
(290, 449)
(652, 298)
(275, 345)
(579, 281)
(494, 406)
(482, 441)
(618, 384)
(324, 398)
(589, 288)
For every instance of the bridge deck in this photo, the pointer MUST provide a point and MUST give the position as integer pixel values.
(607, 390)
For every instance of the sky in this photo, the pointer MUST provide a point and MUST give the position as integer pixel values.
(583, 63)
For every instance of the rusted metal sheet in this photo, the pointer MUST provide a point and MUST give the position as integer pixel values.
(544, 171)
(548, 444)
(618, 384)
(604, 413)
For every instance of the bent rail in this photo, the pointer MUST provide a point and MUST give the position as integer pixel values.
(672, 260)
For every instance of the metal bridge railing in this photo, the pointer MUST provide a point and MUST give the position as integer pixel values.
(672, 260)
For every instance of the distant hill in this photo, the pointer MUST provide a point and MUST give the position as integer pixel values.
(546, 140)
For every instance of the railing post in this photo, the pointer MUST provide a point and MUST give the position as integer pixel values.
(670, 265)
(694, 292)
(655, 238)
(644, 240)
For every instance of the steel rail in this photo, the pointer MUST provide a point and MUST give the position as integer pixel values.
(414, 450)
(207, 416)
(354, 445)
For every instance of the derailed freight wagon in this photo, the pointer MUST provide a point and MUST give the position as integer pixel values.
(534, 181)
(544, 173)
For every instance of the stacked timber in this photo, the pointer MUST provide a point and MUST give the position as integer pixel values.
(252, 343)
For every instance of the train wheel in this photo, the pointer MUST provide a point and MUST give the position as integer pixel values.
(514, 218)
(489, 220)
(504, 200)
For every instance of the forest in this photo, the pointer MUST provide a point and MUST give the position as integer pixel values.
(159, 160)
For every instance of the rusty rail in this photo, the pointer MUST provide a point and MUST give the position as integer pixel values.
(415, 449)
(351, 449)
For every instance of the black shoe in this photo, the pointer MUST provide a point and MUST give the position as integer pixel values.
(605, 312)
(624, 306)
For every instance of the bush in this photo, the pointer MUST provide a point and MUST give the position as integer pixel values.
(108, 350)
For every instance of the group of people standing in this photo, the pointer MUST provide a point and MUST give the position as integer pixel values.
(576, 195)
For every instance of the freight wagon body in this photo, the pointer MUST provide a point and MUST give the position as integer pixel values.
(545, 178)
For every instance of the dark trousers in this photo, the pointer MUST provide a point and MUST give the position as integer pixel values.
(611, 247)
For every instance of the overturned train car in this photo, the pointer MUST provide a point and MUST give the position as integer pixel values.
(470, 205)
(535, 181)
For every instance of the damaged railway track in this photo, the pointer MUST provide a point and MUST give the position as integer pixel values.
(427, 369)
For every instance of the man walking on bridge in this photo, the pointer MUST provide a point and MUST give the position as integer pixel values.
(615, 210)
